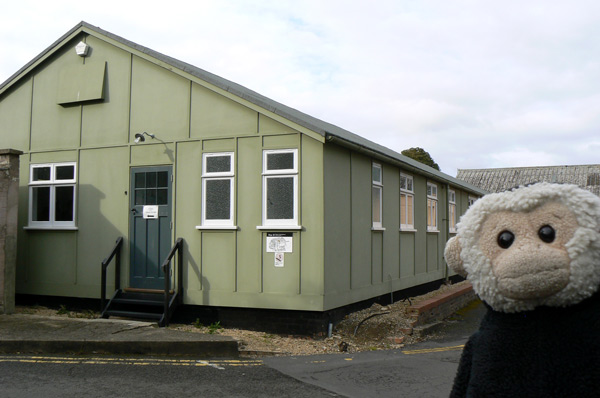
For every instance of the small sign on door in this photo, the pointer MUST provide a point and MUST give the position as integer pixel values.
(150, 212)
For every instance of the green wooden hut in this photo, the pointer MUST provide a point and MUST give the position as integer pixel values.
(276, 209)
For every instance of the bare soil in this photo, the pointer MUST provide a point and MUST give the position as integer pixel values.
(375, 328)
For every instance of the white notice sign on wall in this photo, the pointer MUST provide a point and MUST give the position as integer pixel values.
(279, 257)
(279, 242)
(150, 212)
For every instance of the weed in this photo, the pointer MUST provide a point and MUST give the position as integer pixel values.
(62, 310)
(198, 324)
(214, 327)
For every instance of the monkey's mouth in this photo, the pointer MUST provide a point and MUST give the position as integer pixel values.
(529, 281)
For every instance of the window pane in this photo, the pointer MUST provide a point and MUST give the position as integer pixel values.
(140, 196)
(40, 204)
(280, 161)
(151, 179)
(376, 174)
(409, 209)
(409, 184)
(64, 203)
(162, 196)
(218, 164)
(163, 179)
(65, 172)
(41, 174)
(376, 204)
(140, 180)
(402, 209)
(218, 199)
(280, 198)
(150, 197)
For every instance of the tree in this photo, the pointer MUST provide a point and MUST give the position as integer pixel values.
(421, 155)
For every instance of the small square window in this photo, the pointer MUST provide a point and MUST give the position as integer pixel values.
(52, 195)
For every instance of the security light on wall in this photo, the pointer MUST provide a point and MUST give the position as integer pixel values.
(82, 49)
(139, 137)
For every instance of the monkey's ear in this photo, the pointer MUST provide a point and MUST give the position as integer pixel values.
(452, 254)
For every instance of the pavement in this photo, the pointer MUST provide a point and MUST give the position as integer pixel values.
(33, 334)
(24, 333)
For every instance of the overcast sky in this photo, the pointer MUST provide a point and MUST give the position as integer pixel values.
(477, 84)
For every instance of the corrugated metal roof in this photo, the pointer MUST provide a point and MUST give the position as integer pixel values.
(497, 180)
(327, 130)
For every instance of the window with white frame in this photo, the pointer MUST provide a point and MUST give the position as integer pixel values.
(452, 210)
(377, 196)
(407, 198)
(472, 200)
(432, 216)
(280, 187)
(52, 195)
(217, 189)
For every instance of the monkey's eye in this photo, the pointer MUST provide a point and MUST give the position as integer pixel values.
(547, 234)
(505, 239)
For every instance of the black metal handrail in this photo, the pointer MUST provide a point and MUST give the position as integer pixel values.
(115, 253)
(166, 268)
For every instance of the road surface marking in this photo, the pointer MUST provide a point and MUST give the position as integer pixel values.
(218, 364)
(430, 350)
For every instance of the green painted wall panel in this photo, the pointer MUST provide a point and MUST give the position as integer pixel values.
(361, 220)
(222, 145)
(407, 255)
(107, 122)
(266, 125)
(312, 208)
(218, 260)
(249, 202)
(80, 83)
(188, 210)
(432, 251)
(420, 187)
(51, 157)
(284, 279)
(160, 102)
(338, 210)
(391, 222)
(102, 211)
(377, 257)
(152, 154)
(15, 117)
(51, 258)
(281, 141)
(54, 126)
(216, 116)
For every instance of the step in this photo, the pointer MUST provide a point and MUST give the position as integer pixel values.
(135, 314)
(138, 301)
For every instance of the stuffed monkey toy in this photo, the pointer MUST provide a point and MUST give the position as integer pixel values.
(532, 255)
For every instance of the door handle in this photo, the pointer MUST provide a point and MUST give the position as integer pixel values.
(134, 210)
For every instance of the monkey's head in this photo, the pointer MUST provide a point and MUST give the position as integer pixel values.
(533, 246)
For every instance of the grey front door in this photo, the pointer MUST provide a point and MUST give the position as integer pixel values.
(150, 225)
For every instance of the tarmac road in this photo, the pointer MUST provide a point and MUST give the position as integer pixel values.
(422, 370)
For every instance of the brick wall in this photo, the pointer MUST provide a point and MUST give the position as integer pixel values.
(9, 190)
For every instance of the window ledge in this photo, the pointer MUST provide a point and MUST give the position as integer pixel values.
(279, 227)
(50, 228)
(433, 231)
(408, 230)
(218, 227)
(377, 229)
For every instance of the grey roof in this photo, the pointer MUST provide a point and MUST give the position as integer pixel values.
(497, 180)
(329, 131)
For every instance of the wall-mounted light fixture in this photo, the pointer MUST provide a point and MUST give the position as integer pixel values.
(139, 137)
(82, 49)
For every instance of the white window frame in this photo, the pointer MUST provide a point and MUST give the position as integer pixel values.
(52, 183)
(284, 223)
(432, 206)
(218, 176)
(472, 200)
(452, 211)
(377, 185)
(408, 191)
